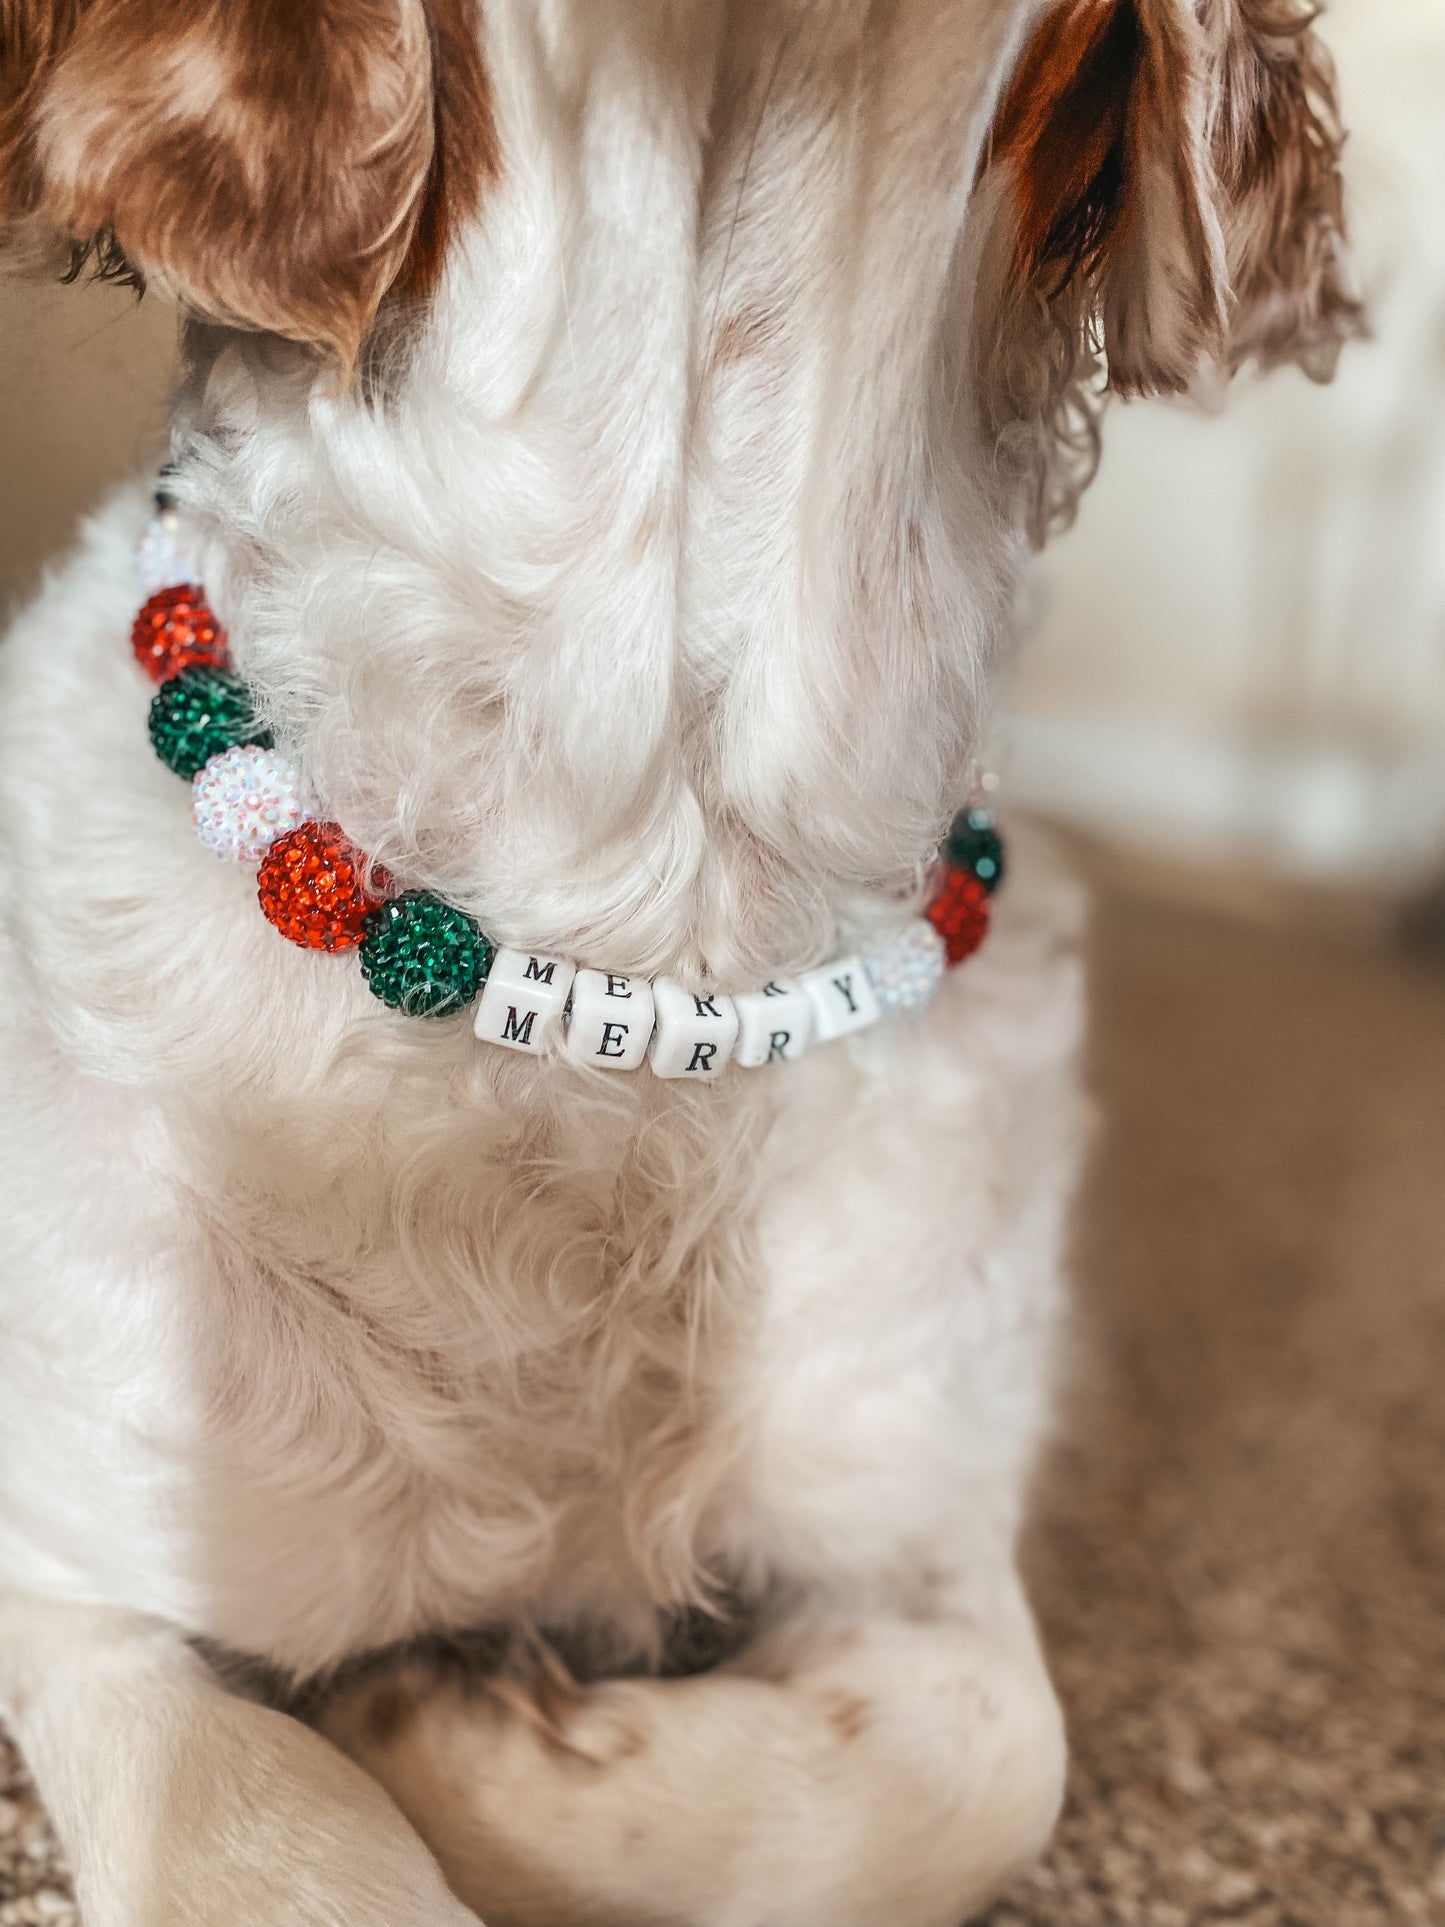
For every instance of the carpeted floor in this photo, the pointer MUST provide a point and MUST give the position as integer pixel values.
(1239, 1552)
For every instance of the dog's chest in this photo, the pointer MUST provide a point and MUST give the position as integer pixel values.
(476, 1377)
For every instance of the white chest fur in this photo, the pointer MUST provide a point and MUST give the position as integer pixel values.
(338, 1326)
(665, 676)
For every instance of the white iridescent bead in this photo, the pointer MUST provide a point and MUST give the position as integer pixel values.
(244, 799)
(162, 560)
(907, 971)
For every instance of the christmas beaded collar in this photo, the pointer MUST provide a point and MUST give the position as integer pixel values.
(423, 956)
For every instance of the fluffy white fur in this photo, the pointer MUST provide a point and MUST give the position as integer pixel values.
(646, 606)
(324, 1329)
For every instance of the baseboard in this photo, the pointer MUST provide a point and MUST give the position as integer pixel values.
(1325, 814)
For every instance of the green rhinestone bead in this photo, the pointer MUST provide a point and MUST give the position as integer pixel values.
(422, 956)
(200, 712)
(973, 844)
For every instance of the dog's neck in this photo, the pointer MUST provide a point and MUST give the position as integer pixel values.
(646, 607)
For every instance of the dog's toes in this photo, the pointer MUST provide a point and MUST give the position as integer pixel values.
(372, 1714)
(524, 1706)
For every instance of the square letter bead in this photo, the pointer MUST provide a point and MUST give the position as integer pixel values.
(695, 1035)
(523, 999)
(611, 1021)
(774, 1024)
(842, 998)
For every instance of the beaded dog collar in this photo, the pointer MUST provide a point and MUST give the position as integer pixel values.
(423, 956)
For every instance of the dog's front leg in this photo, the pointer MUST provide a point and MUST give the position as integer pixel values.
(852, 1769)
(183, 1805)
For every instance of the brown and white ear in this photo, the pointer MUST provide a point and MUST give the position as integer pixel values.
(269, 163)
(1274, 139)
(1166, 178)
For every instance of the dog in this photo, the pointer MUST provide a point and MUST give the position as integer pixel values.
(610, 438)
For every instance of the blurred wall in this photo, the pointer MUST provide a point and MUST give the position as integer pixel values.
(86, 372)
(1240, 649)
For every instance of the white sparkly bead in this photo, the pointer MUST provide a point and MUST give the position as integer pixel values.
(907, 972)
(842, 999)
(162, 560)
(244, 799)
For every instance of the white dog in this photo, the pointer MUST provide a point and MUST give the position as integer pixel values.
(611, 435)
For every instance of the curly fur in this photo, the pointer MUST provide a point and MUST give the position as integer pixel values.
(1200, 219)
(611, 434)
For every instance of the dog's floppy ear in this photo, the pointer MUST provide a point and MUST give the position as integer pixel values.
(278, 166)
(1167, 190)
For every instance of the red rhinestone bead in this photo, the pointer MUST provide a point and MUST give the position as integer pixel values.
(176, 629)
(959, 912)
(312, 887)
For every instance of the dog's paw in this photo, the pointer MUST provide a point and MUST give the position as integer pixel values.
(285, 1833)
(536, 1705)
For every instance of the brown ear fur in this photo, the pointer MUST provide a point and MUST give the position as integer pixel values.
(1168, 194)
(268, 161)
(464, 147)
(1275, 139)
(33, 33)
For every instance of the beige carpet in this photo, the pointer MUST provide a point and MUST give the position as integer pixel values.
(1240, 1551)
(1240, 1548)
